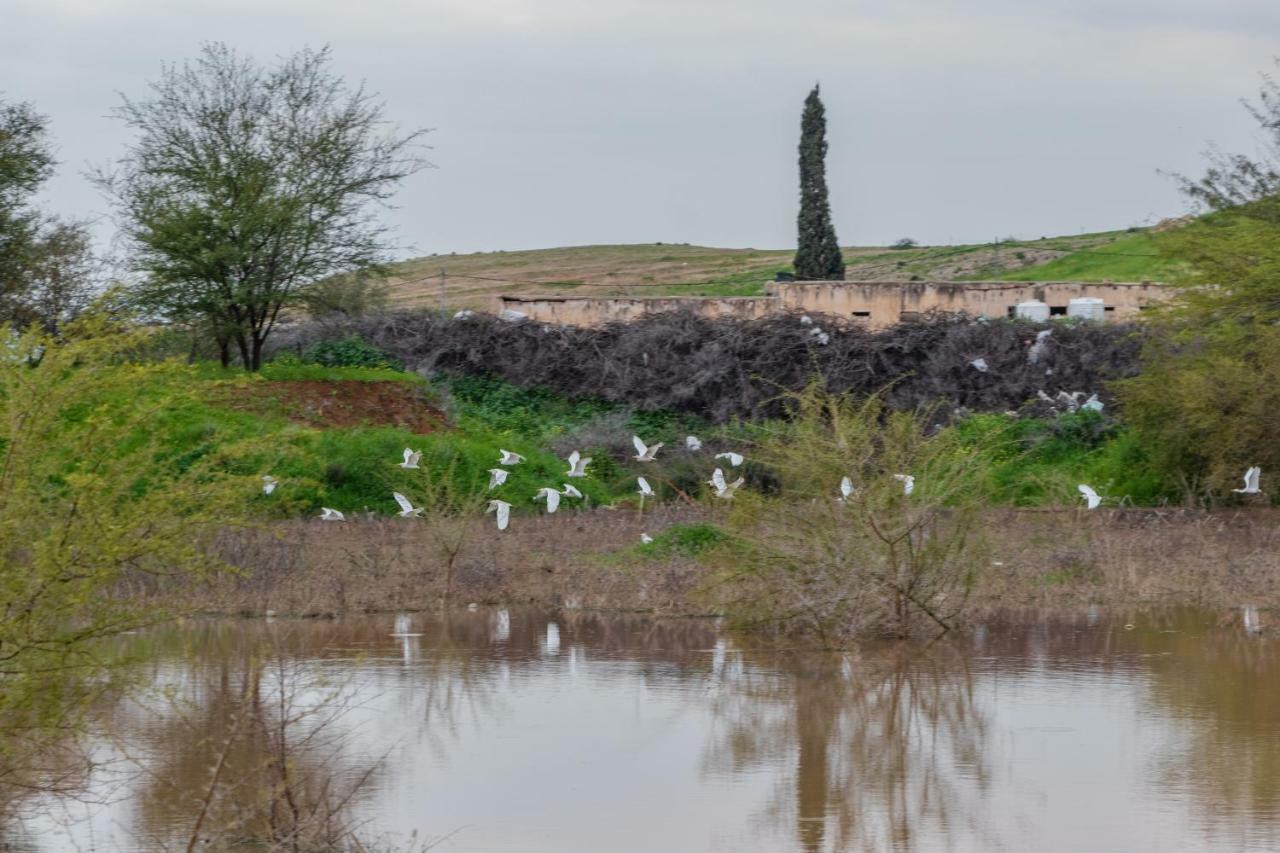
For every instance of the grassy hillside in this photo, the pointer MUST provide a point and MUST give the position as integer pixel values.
(661, 269)
(1133, 257)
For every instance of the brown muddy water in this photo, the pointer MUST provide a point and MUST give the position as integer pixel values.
(566, 732)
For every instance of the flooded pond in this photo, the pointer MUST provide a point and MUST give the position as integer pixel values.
(523, 731)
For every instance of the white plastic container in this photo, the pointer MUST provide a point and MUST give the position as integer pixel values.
(1088, 308)
(1033, 310)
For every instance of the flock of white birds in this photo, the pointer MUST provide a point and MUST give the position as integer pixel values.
(723, 489)
(549, 495)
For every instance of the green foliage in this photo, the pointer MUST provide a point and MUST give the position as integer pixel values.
(1034, 462)
(817, 250)
(93, 501)
(683, 540)
(351, 351)
(1209, 407)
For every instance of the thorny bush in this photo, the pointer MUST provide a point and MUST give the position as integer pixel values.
(723, 369)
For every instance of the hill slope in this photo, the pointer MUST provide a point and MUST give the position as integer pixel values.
(664, 269)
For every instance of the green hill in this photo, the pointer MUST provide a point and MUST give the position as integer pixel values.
(664, 269)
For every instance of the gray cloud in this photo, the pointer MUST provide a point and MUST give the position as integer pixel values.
(568, 121)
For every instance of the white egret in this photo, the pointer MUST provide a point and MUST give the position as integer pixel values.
(1091, 497)
(692, 442)
(503, 512)
(979, 364)
(908, 482)
(806, 320)
(577, 465)
(846, 488)
(1251, 484)
(497, 476)
(725, 490)
(411, 458)
(645, 538)
(645, 489)
(509, 458)
(644, 452)
(734, 459)
(1037, 349)
(551, 496)
(269, 484)
(327, 514)
(407, 510)
(570, 492)
(464, 314)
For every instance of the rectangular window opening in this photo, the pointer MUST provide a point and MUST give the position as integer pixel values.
(1057, 310)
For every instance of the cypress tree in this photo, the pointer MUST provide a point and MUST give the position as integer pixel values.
(817, 252)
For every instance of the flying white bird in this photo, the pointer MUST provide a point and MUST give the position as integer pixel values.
(692, 442)
(979, 364)
(577, 465)
(1037, 349)
(551, 496)
(645, 489)
(509, 458)
(570, 492)
(407, 510)
(645, 538)
(327, 514)
(1091, 498)
(497, 476)
(269, 484)
(908, 482)
(734, 459)
(503, 510)
(411, 458)
(846, 488)
(723, 489)
(1251, 478)
(644, 453)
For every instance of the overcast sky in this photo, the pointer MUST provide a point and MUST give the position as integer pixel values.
(569, 122)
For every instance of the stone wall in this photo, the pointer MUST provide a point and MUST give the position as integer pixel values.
(877, 303)
(883, 303)
(591, 311)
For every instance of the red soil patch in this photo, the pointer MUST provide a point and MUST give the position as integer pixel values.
(342, 403)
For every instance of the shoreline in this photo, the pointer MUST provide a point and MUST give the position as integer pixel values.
(1061, 560)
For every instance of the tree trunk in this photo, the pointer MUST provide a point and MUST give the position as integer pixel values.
(256, 353)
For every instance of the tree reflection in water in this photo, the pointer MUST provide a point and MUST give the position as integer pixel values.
(885, 743)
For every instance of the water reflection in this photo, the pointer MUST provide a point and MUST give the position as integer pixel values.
(576, 731)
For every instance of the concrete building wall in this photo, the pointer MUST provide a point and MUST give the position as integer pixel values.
(877, 303)
(883, 303)
(589, 311)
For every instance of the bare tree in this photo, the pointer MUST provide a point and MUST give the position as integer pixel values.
(246, 183)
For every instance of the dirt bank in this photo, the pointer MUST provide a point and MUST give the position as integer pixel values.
(338, 403)
(1059, 560)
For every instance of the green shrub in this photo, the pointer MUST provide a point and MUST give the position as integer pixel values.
(351, 351)
(684, 540)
